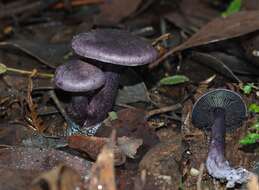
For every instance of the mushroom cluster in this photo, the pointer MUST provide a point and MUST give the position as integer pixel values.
(219, 111)
(94, 79)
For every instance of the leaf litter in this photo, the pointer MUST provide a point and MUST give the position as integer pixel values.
(155, 146)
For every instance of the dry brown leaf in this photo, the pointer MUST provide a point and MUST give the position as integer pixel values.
(114, 11)
(93, 145)
(60, 177)
(41, 159)
(129, 146)
(218, 29)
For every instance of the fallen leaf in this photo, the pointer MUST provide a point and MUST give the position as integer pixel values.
(132, 123)
(116, 10)
(192, 13)
(219, 29)
(174, 80)
(92, 146)
(129, 146)
(16, 179)
(60, 177)
(41, 159)
(133, 93)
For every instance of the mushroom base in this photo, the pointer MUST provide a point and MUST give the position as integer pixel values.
(219, 168)
(89, 110)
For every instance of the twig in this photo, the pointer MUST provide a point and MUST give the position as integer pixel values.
(44, 75)
(199, 180)
(74, 3)
(253, 183)
(4, 68)
(160, 59)
(165, 36)
(163, 110)
(72, 127)
(58, 105)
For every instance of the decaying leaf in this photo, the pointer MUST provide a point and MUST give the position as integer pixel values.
(192, 13)
(219, 29)
(129, 146)
(93, 145)
(116, 10)
(41, 159)
(131, 122)
(16, 179)
(60, 177)
(133, 93)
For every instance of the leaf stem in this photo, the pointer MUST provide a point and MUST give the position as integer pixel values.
(44, 75)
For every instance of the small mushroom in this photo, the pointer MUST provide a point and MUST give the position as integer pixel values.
(220, 110)
(81, 79)
(108, 50)
(78, 76)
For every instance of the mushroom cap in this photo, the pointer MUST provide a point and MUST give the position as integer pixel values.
(203, 109)
(114, 46)
(78, 76)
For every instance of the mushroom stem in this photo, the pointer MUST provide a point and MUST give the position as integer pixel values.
(216, 163)
(102, 102)
(218, 131)
(89, 111)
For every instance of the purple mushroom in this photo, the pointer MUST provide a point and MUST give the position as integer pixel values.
(220, 110)
(107, 50)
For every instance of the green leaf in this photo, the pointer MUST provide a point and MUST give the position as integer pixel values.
(254, 108)
(233, 7)
(247, 89)
(3, 68)
(113, 115)
(173, 80)
(255, 126)
(251, 138)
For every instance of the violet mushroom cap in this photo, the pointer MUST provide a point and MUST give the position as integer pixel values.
(220, 110)
(114, 46)
(78, 76)
(111, 49)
